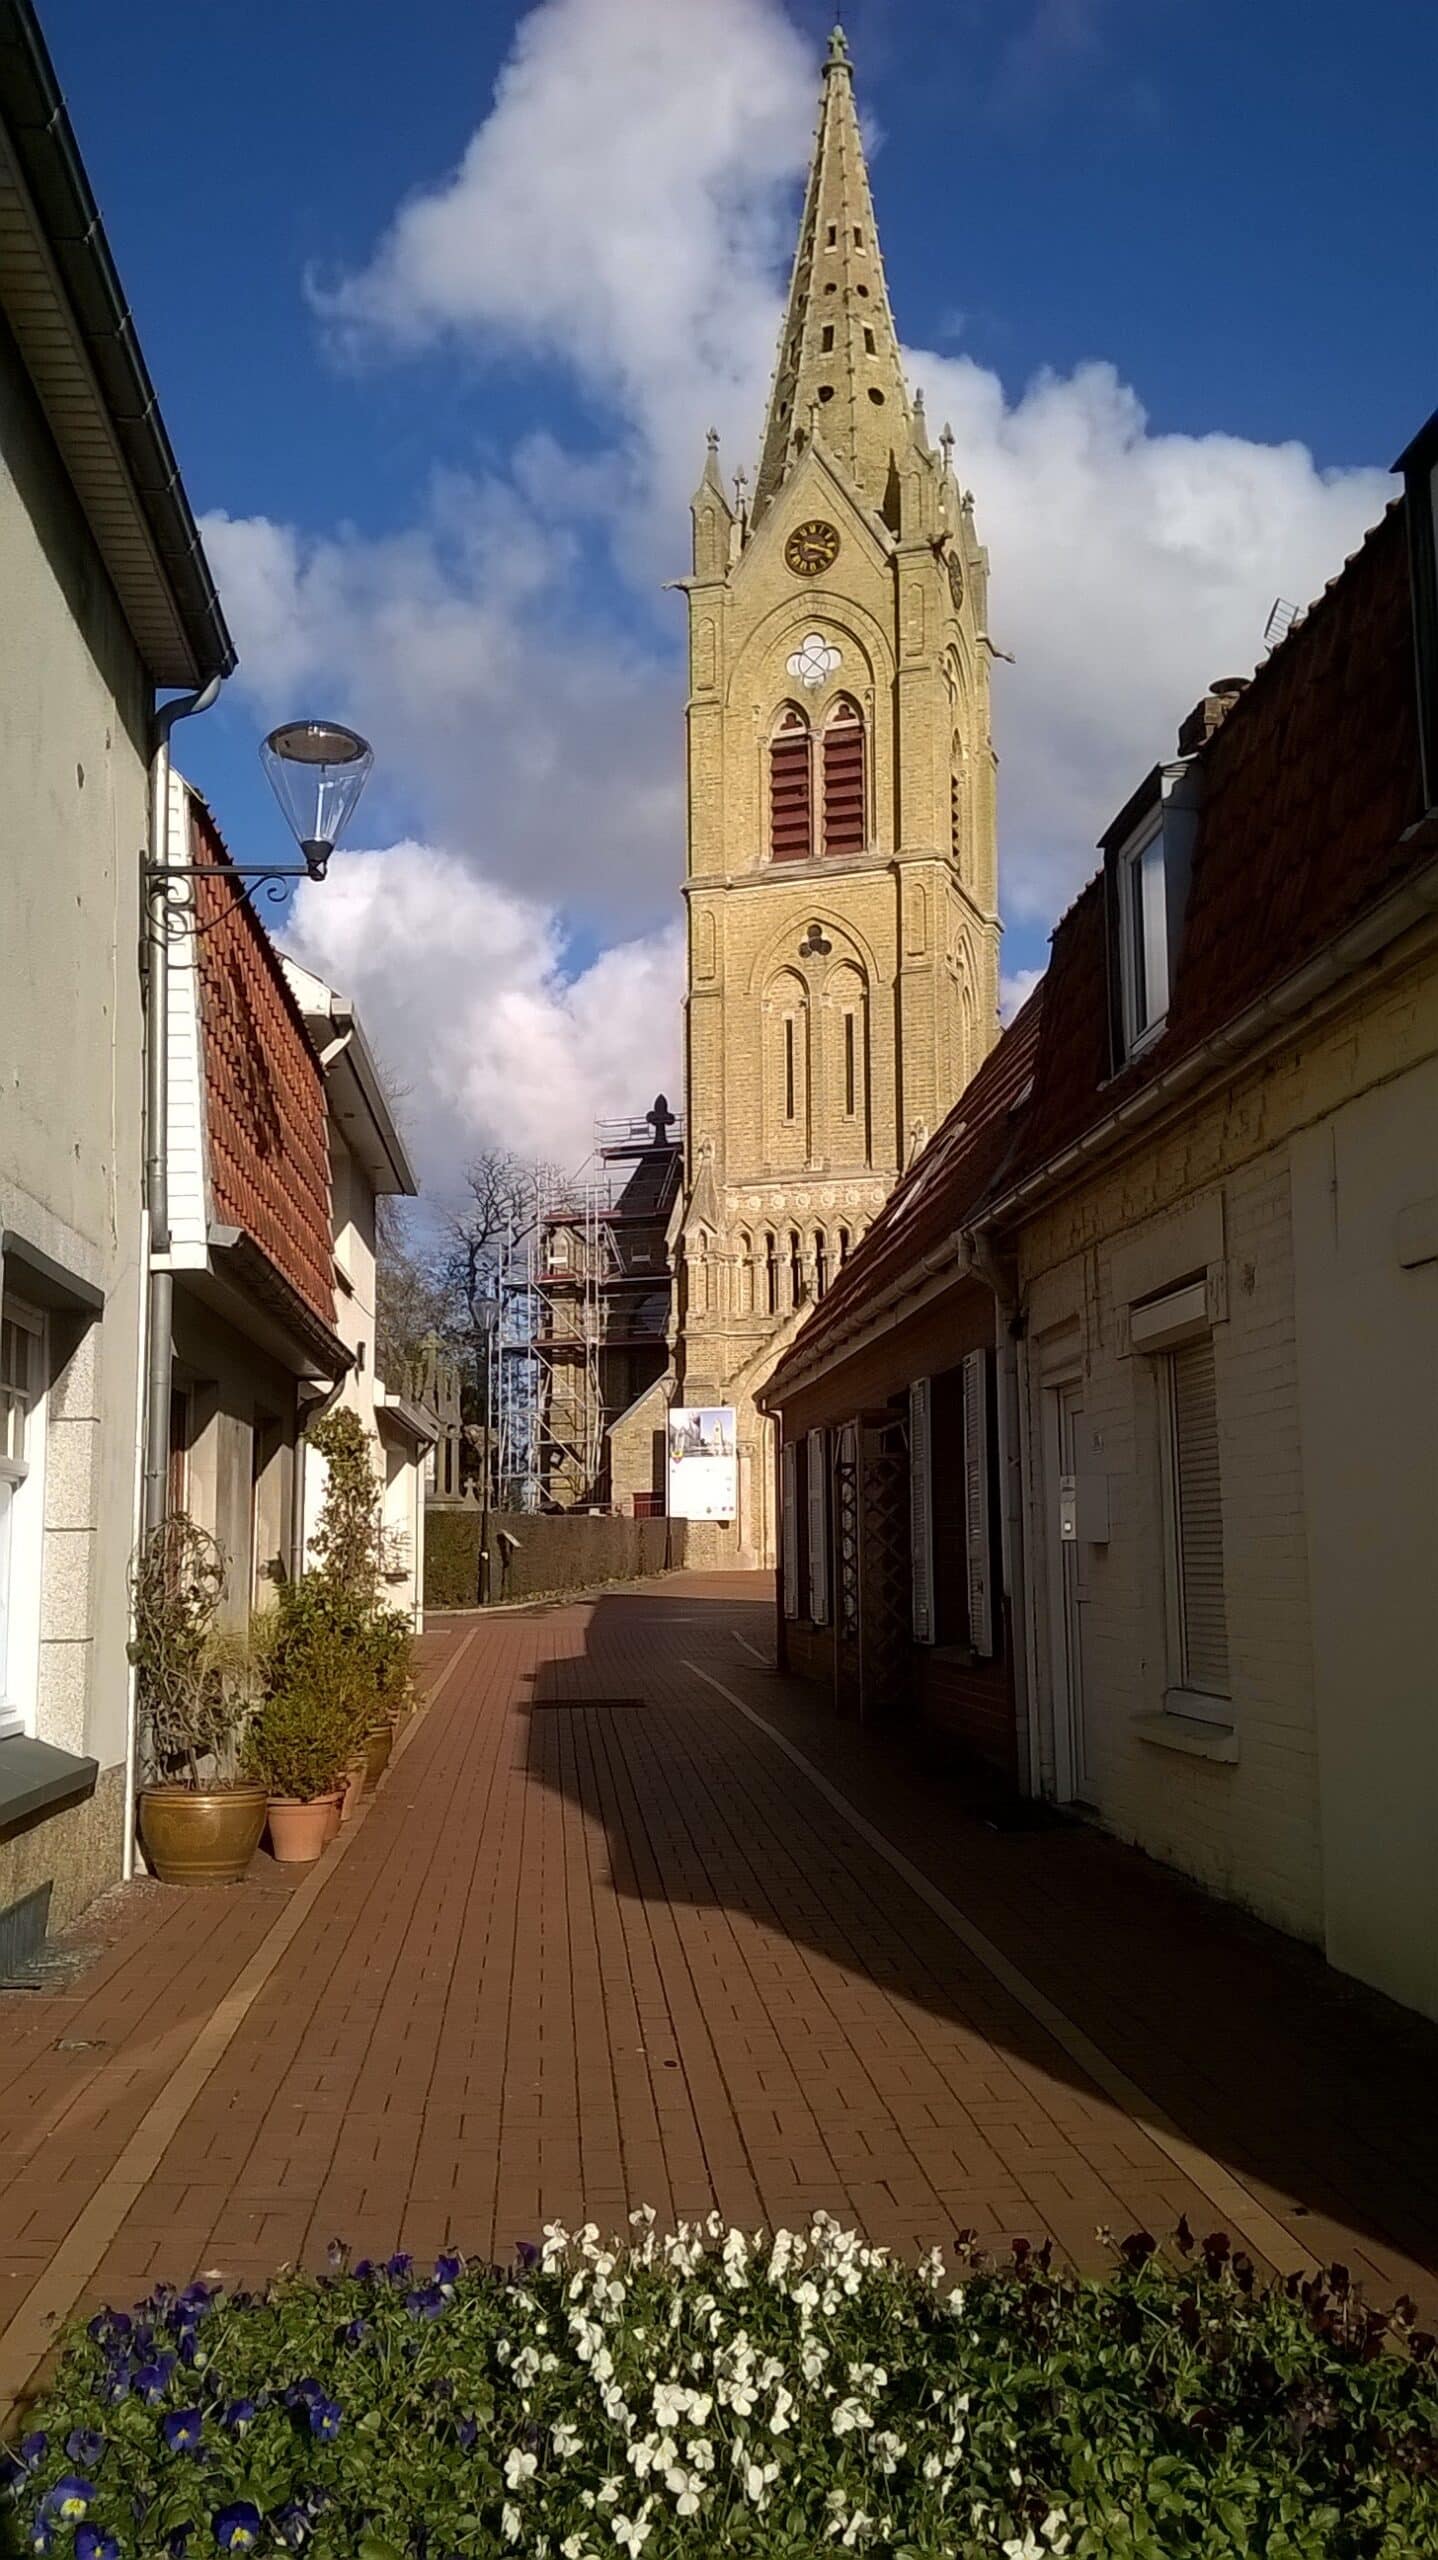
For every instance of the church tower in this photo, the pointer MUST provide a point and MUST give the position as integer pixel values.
(843, 933)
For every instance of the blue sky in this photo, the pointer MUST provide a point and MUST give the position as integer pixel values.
(1230, 207)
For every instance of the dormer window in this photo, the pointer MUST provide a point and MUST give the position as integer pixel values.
(1147, 855)
(1143, 934)
(1419, 466)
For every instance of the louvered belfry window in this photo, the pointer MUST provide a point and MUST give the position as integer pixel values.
(1198, 1517)
(791, 790)
(844, 827)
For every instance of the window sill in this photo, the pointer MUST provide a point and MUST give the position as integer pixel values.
(1197, 1736)
(36, 1778)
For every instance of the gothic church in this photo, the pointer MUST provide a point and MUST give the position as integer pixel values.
(841, 890)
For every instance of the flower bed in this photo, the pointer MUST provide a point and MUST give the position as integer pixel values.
(711, 2392)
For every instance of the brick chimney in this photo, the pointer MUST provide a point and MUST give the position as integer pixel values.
(1208, 713)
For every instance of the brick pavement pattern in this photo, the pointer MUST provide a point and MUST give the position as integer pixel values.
(600, 1943)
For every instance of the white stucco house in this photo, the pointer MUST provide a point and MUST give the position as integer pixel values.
(367, 1162)
(105, 600)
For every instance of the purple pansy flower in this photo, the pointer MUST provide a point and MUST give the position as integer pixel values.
(427, 2301)
(93, 2543)
(70, 2499)
(325, 2419)
(355, 2334)
(291, 2524)
(448, 2269)
(468, 2432)
(183, 2429)
(152, 2380)
(399, 2265)
(237, 2416)
(85, 2446)
(237, 2528)
(364, 2268)
(42, 2534)
(33, 2448)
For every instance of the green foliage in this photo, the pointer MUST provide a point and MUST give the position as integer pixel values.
(348, 1537)
(301, 1740)
(777, 2400)
(451, 1559)
(191, 1697)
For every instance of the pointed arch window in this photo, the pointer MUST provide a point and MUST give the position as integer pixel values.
(796, 1268)
(771, 1272)
(746, 1273)
(821, 1262)
(791, 788)
(845, 828)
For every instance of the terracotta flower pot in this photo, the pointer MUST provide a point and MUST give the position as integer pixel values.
(298, 1832)
(378, 1744)
(201, 1836)
(353, 1789)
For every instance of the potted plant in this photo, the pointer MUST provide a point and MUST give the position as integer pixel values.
(200, 1815)
(297, 1747)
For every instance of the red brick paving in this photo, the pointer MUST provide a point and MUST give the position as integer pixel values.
(583, 1956)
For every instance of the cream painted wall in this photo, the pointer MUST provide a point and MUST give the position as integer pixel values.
(1298, 1190)
(73, 822)
(1368, 1369)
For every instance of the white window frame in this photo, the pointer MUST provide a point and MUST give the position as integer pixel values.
(22, 1537)
(1161, 1327)
(1143, 933)
(817, 1492)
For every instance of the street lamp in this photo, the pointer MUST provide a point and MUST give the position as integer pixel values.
(317, 770)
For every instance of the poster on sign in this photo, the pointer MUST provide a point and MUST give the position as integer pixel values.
(703, 1467)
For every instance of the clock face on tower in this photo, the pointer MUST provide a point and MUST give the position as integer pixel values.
(811, 548)
(956, 579)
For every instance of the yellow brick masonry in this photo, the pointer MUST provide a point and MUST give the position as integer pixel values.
(901, 936)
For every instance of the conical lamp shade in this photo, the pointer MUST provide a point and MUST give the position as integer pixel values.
(317, 771)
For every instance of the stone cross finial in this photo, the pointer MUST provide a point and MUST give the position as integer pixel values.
(713, 439)
(838, 46)
(947, 441)
(661, 1120)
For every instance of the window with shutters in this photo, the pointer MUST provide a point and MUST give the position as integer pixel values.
(791, 788)
(845, 827)
(1193, 1522)
(789, 1526)
(978, 1556)
(921, 1508)
(817, 1474)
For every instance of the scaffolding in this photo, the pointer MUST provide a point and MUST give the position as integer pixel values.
(583, 1304)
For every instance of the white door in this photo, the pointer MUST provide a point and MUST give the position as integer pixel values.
(1063, 1434)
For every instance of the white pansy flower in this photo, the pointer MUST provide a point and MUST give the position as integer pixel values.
(758, 2479)
(566, 2441)
(519, 2467)
(511, 2523)
(632, 2532)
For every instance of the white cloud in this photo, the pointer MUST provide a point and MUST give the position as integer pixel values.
(465, 993)
(624, 212)
(1015, 990)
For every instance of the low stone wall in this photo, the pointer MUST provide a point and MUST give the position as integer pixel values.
(554, 1551)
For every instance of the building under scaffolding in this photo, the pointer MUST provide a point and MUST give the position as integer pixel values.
(583, 1314)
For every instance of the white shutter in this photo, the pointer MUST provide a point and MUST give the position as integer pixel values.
(790, 1525)
(921, 1507)
(818, 1481)
(976, 1501)
(1198, 1523)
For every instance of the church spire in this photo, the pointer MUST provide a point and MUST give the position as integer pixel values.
(838, 369)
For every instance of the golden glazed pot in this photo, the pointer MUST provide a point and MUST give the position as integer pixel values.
(193, 1836)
